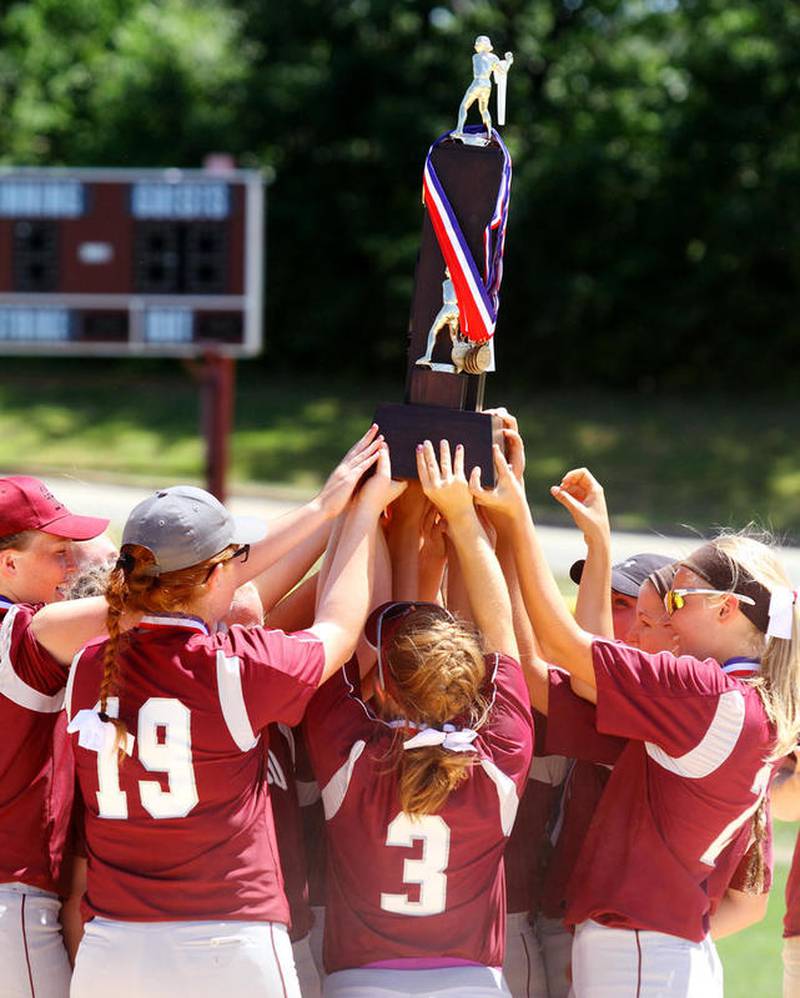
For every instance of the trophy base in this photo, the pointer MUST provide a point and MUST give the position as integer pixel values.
(471, 138)
(405, 426)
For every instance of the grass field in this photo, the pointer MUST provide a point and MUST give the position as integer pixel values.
(752, 959)
(665, 462)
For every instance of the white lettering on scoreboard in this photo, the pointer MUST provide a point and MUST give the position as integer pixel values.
(168, 325)
(41, 199)
(181, 201)
(35, 325)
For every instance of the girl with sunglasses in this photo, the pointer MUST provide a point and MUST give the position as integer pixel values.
(419, 802)
(701, 746)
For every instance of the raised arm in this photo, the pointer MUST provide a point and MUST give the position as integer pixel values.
(582, 496)
(562, 640)
(296, 527)
(444, 483)
(279, 580)
(346, 582)
(64, 628)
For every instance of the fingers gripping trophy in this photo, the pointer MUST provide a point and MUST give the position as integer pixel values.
(466, 190)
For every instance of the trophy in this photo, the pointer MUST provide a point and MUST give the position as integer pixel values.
(465, 193)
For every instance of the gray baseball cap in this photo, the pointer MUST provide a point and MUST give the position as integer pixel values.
(183, 526)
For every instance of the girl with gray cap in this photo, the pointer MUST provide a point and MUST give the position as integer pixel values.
(168, 721)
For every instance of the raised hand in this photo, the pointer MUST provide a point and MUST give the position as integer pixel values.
(443, 481)
(433, 535)
(380, 489)
(508, 495)
(341, 483)
(582, 495)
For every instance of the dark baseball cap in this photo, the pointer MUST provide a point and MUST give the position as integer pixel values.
(184, 525)
(28, 504)
(627, 576)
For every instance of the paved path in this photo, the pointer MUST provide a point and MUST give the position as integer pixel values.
(562, 545)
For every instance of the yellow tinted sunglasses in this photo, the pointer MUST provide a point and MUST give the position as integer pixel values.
(675, 599)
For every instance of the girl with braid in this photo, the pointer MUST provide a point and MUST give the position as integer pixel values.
(167, 720)
(419, 801)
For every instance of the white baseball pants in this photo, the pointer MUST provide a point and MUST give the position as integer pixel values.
(523, 967)
(791, 967)
(32, 955)
(609, 963)
(201, 959)
(307, 973)
(448, 982)
(316, 938)
(556, 943)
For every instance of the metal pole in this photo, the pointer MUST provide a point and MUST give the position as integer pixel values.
(217, 378)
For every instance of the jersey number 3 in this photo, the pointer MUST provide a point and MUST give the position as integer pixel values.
(427, 871)
(163, 745)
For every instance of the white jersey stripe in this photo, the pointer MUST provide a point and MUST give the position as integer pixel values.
(335, 791)
(715, 746)
(70, 683)
(506, 792)
(231, 700)
(16, 689)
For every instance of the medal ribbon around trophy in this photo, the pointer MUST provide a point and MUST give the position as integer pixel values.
(478, 295)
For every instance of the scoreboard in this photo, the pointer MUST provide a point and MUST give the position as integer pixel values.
(164, 263)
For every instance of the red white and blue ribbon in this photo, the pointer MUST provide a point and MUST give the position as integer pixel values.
(478, 293)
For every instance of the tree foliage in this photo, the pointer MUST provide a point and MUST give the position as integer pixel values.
(656, 144)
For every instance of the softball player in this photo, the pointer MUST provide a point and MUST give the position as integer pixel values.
(419, 808)
(183, 881)
(36, 771)
(698, 759)
(785, 799)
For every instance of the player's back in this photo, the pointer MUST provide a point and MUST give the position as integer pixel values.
(181, 828)
(426, 890)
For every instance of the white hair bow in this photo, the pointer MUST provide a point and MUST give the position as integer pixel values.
(781, 613)
(448, 736)
(95, 734)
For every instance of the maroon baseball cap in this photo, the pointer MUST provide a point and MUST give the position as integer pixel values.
(28, 504)
(384, 621)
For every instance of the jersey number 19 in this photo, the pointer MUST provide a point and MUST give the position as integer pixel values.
(163, 745)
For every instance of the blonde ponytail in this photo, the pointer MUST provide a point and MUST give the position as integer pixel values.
(778, 681)
(436, 668)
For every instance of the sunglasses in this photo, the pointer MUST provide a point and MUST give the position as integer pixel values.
(675, 599)
(243, 552)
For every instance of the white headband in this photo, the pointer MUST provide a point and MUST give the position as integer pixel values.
(781, 613)
(448, 736)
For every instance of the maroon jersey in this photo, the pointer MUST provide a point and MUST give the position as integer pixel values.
(430, 888)
(733, 866)
(288, 826)
(36, 766)
(685, 785)
(183, 828)
(528, 846)
(580, 796)
(312, 814)
(791, 920)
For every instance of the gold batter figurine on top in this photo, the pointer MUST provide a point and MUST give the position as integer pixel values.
(485, 64)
